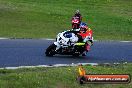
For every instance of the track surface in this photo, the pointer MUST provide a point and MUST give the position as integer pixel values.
(30, 52)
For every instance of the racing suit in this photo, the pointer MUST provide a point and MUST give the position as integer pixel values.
(79, 16)
(87, 37)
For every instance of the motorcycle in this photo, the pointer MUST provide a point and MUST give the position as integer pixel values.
(67, 43)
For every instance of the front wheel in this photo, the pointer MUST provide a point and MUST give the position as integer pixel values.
(76, 54)
(50, 51)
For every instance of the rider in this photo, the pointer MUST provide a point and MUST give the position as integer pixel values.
(77, 15)
(86, 34)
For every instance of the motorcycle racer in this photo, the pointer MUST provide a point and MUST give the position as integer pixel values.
(75, 22)
(86, 34)
(77, 15)
(72, 42)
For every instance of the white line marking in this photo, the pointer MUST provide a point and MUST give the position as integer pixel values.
(3, 38)
(126, 41)
(50, 39)
(56, 65)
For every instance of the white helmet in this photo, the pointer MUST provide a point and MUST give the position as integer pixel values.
(77, 11)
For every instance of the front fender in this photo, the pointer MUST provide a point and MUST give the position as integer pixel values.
(56, 43)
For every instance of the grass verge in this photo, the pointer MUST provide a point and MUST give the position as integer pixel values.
(109, 19)
(60, 77)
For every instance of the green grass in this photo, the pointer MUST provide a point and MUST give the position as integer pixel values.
(109, 19)
(61, 77)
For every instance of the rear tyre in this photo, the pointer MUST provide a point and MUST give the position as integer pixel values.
(50, 51)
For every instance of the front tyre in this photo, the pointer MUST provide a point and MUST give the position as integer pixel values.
(50, 51)
(76, 54)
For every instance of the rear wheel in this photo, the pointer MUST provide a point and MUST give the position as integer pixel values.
(50, 51)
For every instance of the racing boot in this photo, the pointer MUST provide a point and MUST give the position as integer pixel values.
(87, 48)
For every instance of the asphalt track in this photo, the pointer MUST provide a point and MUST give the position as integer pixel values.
(30, 52)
